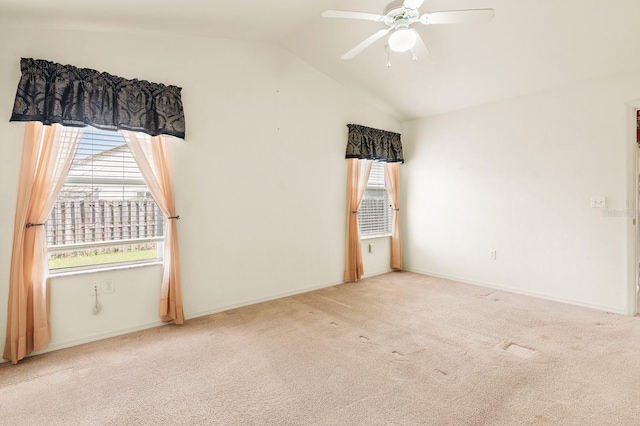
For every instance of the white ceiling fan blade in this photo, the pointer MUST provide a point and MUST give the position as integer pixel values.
(420, 44)
(369, 41)
(457, 17)
(412, 4)
(352, 15)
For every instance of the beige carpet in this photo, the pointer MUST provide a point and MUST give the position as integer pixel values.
(398, 349)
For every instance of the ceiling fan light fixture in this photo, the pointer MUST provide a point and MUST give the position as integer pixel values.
(402, 40)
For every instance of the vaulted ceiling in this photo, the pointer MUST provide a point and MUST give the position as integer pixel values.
(530, 46)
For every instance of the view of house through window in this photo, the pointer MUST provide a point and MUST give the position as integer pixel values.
(104, 212)
(375, 213)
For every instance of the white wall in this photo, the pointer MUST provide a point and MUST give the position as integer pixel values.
(260, 179)
(517, 176)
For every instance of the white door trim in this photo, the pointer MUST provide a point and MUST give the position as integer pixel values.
(633, 234)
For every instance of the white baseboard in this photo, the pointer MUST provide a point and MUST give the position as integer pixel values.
(99, 336)
(94, 338)
(192, 315)
(257, 300)
(373, 274)
(611, 309)
(273, 297)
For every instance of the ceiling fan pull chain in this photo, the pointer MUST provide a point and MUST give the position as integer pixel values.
(388, 58)
(413, 52)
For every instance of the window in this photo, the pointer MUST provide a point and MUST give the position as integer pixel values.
(375, 214)
(104, 213)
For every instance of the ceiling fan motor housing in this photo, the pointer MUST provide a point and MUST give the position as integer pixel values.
(400, 18)
(394, 15)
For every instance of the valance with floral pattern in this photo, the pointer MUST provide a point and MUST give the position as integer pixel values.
(53, 93)
(374, 144)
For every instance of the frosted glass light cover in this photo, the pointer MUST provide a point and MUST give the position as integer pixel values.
(402, 40)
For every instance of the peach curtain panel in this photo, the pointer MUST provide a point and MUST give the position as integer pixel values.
(392, 172)
(154, 160)
(47, 154)
(357, 177)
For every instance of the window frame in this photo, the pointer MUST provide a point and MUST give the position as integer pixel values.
(93, 181)
(388, 220)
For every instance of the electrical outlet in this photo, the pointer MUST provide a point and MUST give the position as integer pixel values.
(94, 288)
(493, 254)
(108, 286)
(598, 202)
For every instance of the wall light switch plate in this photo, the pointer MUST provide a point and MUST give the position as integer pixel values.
(372, 248)
(598, 202)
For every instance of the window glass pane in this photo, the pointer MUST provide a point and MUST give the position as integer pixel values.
(104, 212)
(375, 212)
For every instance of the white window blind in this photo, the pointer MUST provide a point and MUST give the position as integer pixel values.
(104, 212)
(375, 213)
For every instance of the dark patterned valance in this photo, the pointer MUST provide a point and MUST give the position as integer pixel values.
(373, 144)
(54, 93)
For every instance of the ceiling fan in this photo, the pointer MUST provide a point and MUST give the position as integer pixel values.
(399, 16)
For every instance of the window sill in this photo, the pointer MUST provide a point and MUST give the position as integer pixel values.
(105, 268)
(371, 237)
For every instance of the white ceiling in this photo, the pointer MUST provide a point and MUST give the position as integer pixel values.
(531, 45)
